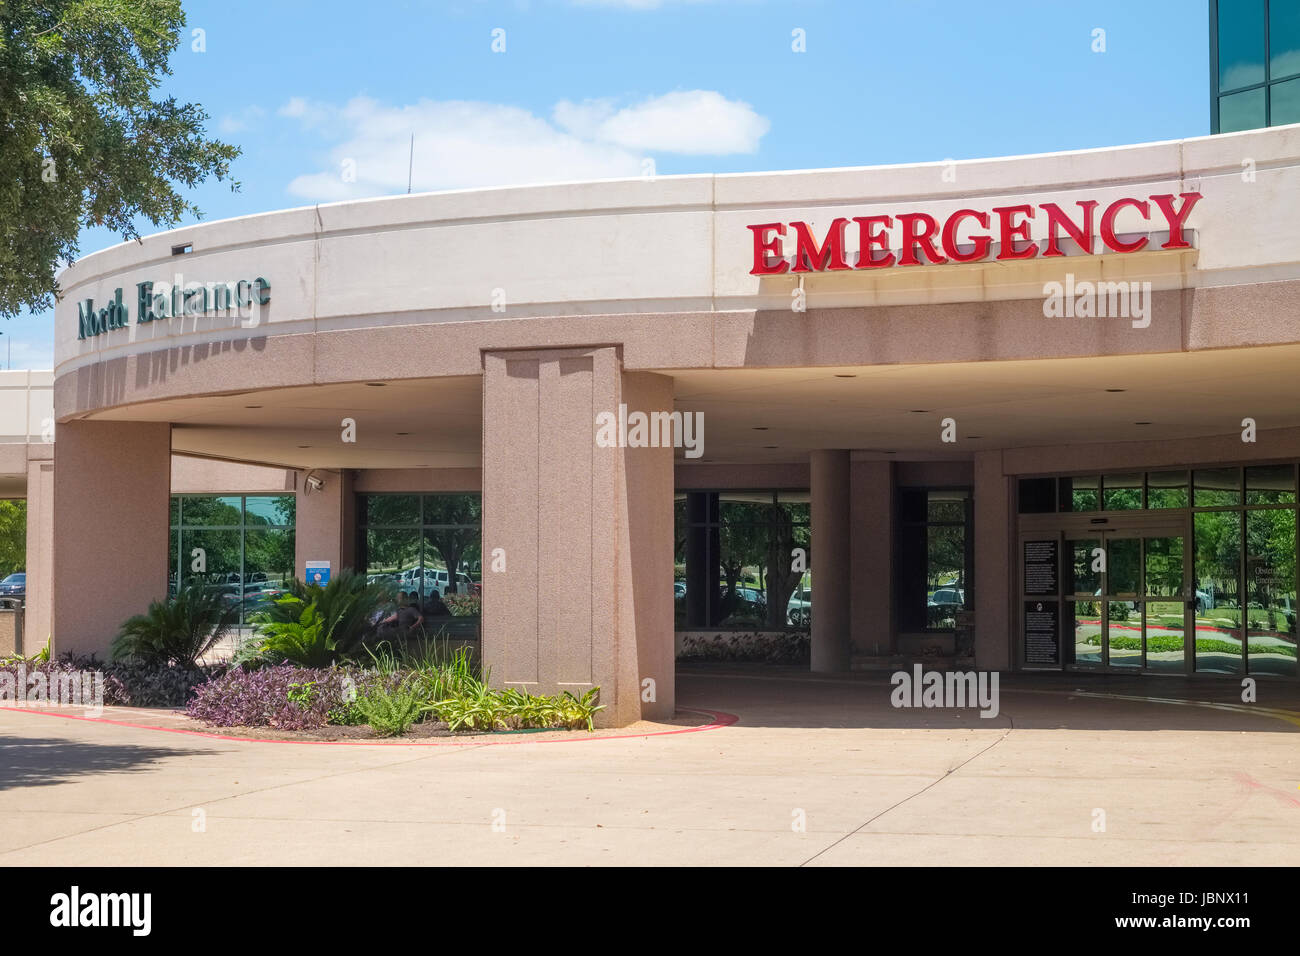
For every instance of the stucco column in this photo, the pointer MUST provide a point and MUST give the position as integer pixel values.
(325, 527)
(871, 529)
(38, 613)
(993, 556)
(111, 486)
(584, 532)
(831, 620)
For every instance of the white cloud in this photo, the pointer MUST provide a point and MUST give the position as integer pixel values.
(241, 121)
(693, 122)
(461, 144)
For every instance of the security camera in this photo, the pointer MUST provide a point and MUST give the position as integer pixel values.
(315, 483)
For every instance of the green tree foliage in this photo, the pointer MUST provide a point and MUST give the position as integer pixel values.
(178, 630)
(13, 536)
(85, 142)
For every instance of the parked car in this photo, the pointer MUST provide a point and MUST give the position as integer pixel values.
(799, 609)
(13, 589)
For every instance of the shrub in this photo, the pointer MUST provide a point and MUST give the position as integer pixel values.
(788, 647)
(390, 709)
(177, 630)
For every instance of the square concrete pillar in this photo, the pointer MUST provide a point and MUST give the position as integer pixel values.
(38, 614)
(831, 560)
(871, 530)
(326, 523)
(112, 482)
(994, 552)
(584, 531)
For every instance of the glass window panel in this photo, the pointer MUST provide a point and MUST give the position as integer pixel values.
(1270, 485)
(1270, 592)
(1122, 559)
(1122, 492)
(744, 540)
(1167, 489)
(392, 509)
(1241, 111)
(392, 555)
(1217, 487)
(1241, 44)
(1081, 494)
(1283, 42)
(946, 575)
(450, 585)
(173, 557)
(1284, 102)
(785, 588)
(1084, 617)
(217, 562)
(1163, 621)
(211, 511)
(1124, 633)
(1086, 553)
(268, 567)
(1218, 594)
(459, 509)
(270, 510)
(1166, 637)
(175, 510)
(1037, 496)
(946, 506)
(1164, 567)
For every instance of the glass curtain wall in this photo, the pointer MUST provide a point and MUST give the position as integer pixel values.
(743, 560)
(1255, 57)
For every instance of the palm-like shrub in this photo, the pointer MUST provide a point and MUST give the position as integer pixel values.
(179, 629)
(315, 626)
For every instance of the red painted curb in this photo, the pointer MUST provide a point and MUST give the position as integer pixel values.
(720, 719)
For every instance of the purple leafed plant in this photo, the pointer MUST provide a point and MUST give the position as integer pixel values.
(284, 697)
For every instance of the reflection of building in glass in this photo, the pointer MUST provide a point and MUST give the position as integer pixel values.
(1254, 64)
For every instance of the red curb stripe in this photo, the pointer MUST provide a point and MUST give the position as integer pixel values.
(720, 719)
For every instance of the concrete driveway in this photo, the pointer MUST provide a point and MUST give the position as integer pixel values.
(818, 771)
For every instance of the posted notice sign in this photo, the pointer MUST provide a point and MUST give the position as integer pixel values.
(318, 572)
(1041, 566)
(1042, 627)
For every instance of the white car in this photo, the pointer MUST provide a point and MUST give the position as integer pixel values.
(799, 611)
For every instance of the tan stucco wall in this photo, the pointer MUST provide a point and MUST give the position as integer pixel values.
(111, 488)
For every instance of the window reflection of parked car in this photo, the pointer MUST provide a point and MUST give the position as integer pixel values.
(679, 589)
(799, 609)
(13, 589)
(947, 597)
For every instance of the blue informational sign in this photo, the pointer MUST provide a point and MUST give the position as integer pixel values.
(318, 572)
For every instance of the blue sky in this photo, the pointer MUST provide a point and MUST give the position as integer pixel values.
(324, 95)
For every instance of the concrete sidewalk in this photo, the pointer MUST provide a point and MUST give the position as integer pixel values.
(819, 770)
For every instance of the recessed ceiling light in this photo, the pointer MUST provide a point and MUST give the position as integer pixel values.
(771, 446)
(402, 433)
(1117, 389)
(376, 384)
(845, 375)
(304, 446)
(252, 406)
(760, 428)
(1141, 423)
(921, 411)
(974, 436)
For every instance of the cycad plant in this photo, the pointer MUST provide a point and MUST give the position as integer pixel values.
(315, 626)
(179, 629)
